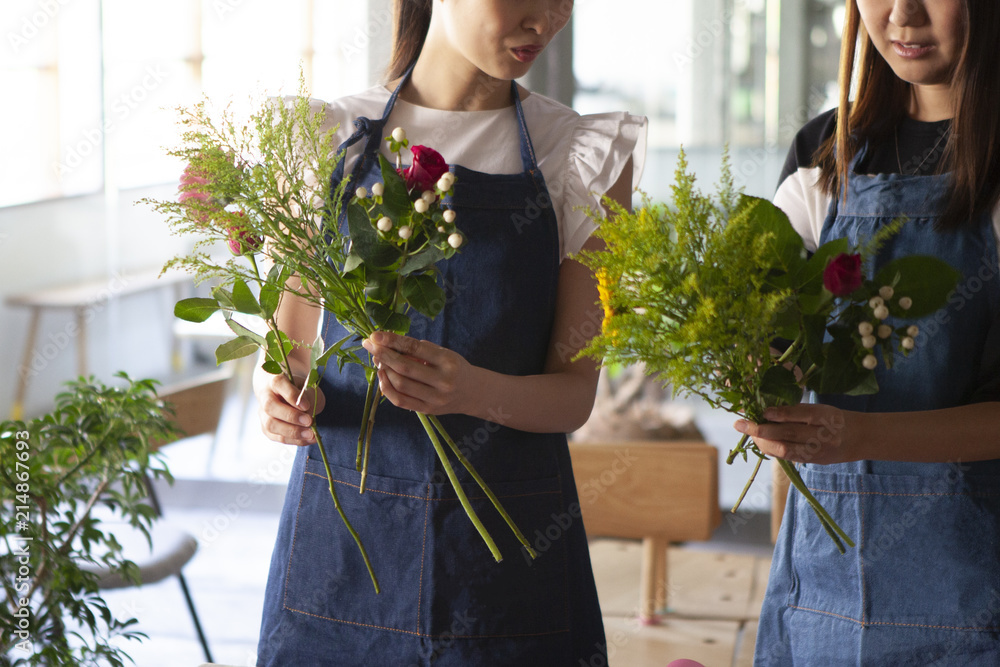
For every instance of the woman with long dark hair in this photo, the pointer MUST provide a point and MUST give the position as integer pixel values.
(913, 471)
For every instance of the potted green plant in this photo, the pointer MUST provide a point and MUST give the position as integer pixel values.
(94, 450)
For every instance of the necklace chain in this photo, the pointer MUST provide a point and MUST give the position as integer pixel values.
(932, 151)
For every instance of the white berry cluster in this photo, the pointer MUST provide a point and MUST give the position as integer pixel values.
(874, 331)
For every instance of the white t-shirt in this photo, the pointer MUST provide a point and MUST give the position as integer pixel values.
(580, 157)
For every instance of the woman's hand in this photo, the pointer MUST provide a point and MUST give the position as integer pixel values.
(809, 434)
(419, 375)
(284, 417)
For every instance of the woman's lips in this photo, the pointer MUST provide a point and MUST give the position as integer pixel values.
(911, 51)
(526, 54)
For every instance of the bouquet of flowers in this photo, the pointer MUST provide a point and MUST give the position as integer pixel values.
(702, 291)
(261, 187)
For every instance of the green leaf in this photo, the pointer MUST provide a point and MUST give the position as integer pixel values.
(778, 387)
(244, 300)
(423, 294)
(397, 323)
(271, 366)
(381, 286)
(395, 198)
(421, 260)
(236, 348)
(816, 303)
(243, 332)
(810, 278)
(928, 281)
(365, 241)
(270, 292)
(841, 370)
(224, 297)
(785, 244)
(196, 309)
(352, 262)
(868, 385)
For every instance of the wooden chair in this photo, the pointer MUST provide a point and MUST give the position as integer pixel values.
(197, 404)
(658, 492)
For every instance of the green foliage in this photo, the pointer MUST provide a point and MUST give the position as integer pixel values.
(699, 290)
(91, 451)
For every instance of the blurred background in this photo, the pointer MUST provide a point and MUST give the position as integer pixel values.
(91, 88)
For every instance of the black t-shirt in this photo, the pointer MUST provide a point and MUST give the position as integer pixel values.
(916, 148)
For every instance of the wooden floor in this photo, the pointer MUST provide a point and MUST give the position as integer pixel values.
(714, 599)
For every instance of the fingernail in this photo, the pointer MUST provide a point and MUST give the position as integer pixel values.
(307, 435)
(741, 426)
(378, 337)
(770, 413)
(305, 420)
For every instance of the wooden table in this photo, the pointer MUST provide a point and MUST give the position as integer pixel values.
(86, 300)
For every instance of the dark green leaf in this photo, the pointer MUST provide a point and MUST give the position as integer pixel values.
(926, 280)
(235, 349)
(365, 241)
(842, 371)
(271, 366)
(423, 294)
(195, 310)
(381, 286)
(868, 385)
(397, 323)
(395, 198)
(778, 387)
(421, 260)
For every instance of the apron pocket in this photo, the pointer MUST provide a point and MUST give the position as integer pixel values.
(327, 577)
(468, 594)
(931, 555)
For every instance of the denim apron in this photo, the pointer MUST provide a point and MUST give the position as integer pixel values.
(444, 600)
(922, 587)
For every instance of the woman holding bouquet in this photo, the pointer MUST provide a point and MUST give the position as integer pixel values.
(495, 364)
(913, 471)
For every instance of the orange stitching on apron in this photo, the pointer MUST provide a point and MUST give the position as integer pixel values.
(861, 558)
(826, 613)
(900, 625)
(418, 634)
(429, 499)
(907, 495)
(423, 555)
(291, 551)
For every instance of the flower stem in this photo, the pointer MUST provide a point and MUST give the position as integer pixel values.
(462, 498)
(482, 484)
(368, 427)
(753, 476)
(369, 396)
(828, 523)
(340, 511)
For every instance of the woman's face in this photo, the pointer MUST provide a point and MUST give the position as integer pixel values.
(501, 37)
(921, 40)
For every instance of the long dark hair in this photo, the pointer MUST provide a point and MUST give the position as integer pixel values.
(411, 19)
(972, 154)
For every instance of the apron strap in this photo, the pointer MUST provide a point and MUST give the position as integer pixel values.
(527, 149)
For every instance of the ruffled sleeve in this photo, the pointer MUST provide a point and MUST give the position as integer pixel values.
(599, 148)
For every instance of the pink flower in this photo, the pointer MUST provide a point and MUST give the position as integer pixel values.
(240, 239)
(843, 274)
(428, 166)
(196, 197)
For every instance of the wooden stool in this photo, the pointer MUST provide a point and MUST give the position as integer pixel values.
(659, 492)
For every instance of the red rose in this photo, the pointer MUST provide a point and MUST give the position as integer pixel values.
(241, 240)
(427, 168)
(843, 274)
